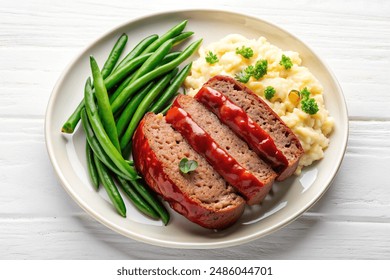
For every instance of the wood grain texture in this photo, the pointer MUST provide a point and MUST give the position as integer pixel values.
(307, 238)
(40, 221)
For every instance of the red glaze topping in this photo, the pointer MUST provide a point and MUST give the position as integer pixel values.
(151, 168)
(245, 182)
(238, 120)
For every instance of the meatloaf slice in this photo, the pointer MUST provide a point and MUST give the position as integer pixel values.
(261, 113)
(263, 175)
(245, 182)
(202, 196)
(238, 120)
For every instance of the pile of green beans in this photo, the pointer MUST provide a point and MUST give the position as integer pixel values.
(115, 100)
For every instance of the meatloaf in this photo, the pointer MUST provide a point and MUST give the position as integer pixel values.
(284, 139)
(240, 144)
(202, 195)
(242, 168)
(238, 120)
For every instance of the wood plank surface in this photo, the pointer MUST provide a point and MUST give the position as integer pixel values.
(39, 38)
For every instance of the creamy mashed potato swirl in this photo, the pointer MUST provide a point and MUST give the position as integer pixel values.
(312, 130)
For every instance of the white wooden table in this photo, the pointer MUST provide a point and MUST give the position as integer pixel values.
(38, 220)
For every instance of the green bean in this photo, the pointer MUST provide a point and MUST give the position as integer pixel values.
(170, 103)
(114, 55)
(110, 187)
(128, 112)
(105, 112)
(174, 31)
(102, 136)
(110, 81)
(167, 107)
(171, 91)
(91, 166)
(97, 148)
(169, 57)
(138, 49)
(120, 88)
(144, 105)
(126, 152)
(181, 37)
(154, 59)
(119, 74)
(113, 79)
(161, 70)
(151, 199)
(137, 199)
(100, 154)
(71, 123)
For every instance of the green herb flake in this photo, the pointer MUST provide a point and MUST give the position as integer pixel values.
(260, 69)
(211, 58)
(286, 62)
(187, 165)
(308, 105)
(305, 93)
(257, 71)
(245, 52)
(242, 77)
(269, 92)
(245, 74)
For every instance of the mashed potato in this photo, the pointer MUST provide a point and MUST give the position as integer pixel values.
(312, 130)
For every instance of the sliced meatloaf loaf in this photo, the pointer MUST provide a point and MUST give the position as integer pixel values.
(284, 139)
(202, 195)
(256, 178)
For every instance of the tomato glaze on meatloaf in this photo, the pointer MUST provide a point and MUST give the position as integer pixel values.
(202, 195)
(256, 177)
(285, 140)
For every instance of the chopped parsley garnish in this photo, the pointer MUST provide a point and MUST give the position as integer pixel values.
(186, 165)
(305, 93)
(245, 75)
(269, 92)
(257, 71)
(211, 58)
(308, 105)
(260, 69)
(242, 77)
(245, 52)
(286, 62)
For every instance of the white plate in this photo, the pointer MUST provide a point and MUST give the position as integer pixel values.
(290, 199)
